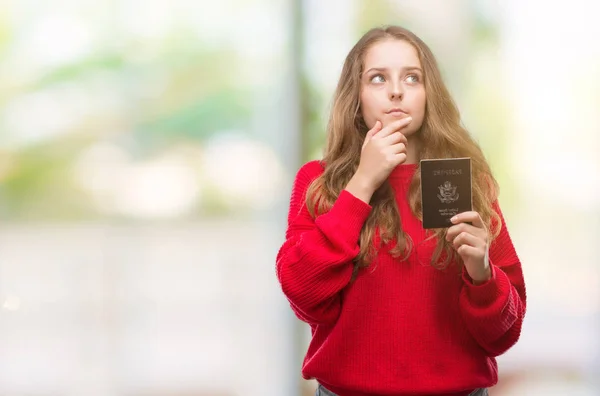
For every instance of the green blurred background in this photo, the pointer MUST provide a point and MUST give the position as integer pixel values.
(147, 150)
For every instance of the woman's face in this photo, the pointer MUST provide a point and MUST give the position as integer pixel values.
(392, 85)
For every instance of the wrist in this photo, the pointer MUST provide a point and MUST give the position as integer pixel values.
(485, 276)
(360, 187)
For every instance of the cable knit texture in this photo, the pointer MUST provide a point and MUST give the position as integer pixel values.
(402, 327)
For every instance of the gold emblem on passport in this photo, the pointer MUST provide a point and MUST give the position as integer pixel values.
(448, 192)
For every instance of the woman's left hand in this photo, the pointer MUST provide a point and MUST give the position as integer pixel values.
(471, 243)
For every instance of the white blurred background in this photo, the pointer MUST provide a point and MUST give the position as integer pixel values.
(147, 150)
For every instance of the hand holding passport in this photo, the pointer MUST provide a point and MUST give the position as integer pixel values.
(445, 190)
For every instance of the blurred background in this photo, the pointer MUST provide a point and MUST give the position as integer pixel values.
(147, 151)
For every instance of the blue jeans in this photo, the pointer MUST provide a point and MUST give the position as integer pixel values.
(321, 391)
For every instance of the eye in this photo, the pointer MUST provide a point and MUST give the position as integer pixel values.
(378, 78)
(413, 78)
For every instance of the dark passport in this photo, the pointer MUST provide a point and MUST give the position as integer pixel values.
(445, 190)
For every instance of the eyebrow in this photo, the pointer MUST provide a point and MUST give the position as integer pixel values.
(383, 69)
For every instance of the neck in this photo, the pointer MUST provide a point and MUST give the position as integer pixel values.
(413, 148)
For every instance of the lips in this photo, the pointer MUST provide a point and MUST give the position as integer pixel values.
(396, 112)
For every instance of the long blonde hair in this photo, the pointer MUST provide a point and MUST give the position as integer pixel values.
(441, 136)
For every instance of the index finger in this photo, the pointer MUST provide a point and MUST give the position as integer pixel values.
(393, 127)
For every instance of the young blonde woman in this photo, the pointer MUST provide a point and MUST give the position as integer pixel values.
(396, 309)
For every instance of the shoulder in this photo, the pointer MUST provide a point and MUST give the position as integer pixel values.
(305, 176)
(310, 171)
(313, 167)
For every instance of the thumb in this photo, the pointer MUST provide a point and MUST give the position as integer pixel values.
(376, 128)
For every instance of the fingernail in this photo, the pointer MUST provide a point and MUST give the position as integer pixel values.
(454, 219)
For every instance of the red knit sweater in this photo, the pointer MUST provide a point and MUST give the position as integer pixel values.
(402, 327)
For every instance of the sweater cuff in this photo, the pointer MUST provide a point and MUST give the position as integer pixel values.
(343, 223)
(350, 211)
(487, 293)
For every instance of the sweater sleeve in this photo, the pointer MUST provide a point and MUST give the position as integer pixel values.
(494, 311)
(315, 262)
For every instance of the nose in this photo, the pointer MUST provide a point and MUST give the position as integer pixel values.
(396, 91)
